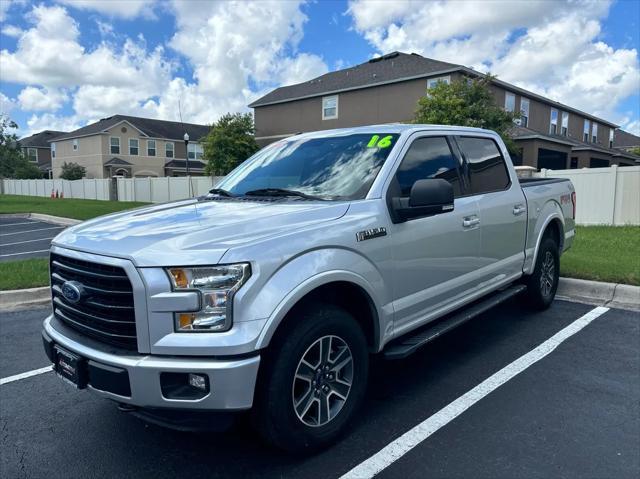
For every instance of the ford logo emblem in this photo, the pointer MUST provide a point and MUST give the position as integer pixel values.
(72, 291)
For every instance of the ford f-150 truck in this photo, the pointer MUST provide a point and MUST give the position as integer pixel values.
(272, 292)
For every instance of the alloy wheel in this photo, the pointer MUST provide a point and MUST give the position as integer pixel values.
(322, 381)
(547, 274)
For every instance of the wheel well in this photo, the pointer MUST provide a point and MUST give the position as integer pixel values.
(554, 231)
(349, 296)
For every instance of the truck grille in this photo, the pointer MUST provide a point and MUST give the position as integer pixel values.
(104, 310)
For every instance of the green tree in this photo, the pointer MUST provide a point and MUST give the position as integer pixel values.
(72, 171)
(635, 151)
(466, 102)
(13, 164)
(229, 142)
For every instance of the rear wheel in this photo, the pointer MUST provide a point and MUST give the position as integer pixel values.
(313, 381)
(543, 282)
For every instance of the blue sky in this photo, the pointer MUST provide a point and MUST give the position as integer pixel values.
(68, 62)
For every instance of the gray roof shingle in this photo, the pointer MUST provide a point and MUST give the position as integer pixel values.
(172, 130)
(390, 67)
(40, 140)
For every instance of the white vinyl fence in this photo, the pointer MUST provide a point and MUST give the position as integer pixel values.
(159, 190)
(605, 196)
(86, 189)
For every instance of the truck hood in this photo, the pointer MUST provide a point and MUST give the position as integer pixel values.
(192, 232)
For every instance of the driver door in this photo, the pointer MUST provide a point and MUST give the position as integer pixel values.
(435, 257)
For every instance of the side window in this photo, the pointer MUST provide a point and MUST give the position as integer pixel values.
(428, 158)
(487, 168)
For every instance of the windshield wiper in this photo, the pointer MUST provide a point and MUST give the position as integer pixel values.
(281, 192)
(221, 192)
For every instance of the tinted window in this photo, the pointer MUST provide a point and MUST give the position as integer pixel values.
(428, 158)
(486, 166)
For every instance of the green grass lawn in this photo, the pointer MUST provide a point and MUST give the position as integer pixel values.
(26, 273)
(67, 207)
(604, 253)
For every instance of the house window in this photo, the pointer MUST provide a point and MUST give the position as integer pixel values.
(151, 147)
(431, 82)
(585, 131)
(168, 149)
(524, 111)
(195, 151)
(115, 145)
(75, 145)
(510, 102)
(594, 132)
(553, 128)
(564, 127)
(330, 107)
(610, 137)
(134, 146)
(53, 150)
(32, 154)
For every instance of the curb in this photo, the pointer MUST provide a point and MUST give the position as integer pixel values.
(615, 295)
(17, 299)
(58, 220)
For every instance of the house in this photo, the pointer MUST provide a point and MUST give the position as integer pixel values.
(625, 141)
(36, 149)
(387, 89)
(122, 145)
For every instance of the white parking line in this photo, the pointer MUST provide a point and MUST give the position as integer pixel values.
(27, 241)
(410, 439)
(16, 224)
(28, 374)
(30, 231)
(26, 252)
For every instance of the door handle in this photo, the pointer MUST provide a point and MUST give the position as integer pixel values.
(519, 209)
(470, 221)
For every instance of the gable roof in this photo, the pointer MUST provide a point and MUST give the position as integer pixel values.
(624, 139)
(392, 68)
(39, 140)
(172, 130)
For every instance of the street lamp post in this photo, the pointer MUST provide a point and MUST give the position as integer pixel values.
(186, 149)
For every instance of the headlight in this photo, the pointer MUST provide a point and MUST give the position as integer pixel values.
(217, 285)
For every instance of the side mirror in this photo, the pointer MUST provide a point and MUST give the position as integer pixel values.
(427, 198)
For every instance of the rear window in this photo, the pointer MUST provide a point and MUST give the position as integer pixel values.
(487, 169)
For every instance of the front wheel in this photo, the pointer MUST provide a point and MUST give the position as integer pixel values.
(313, 380)
(542, 284)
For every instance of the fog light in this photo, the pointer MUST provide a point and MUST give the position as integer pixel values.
(198, 381)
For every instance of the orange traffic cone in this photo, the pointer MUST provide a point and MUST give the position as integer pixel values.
(53, 194)
(61, 194)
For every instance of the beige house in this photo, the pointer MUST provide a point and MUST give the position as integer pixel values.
(387, 90)
(132, 147)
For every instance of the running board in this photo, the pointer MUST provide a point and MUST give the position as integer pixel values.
(406, 345)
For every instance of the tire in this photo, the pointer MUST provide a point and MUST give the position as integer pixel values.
(543, 282)
(320, 417)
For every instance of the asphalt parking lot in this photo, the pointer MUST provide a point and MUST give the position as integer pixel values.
(23, 238)
(573, 413)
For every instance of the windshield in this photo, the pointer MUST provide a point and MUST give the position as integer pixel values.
(335, 167)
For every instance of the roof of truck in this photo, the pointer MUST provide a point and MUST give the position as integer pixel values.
(389, 128)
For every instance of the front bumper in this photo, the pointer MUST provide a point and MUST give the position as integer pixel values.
(232, 380)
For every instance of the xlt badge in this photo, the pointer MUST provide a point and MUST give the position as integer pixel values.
(371, 233)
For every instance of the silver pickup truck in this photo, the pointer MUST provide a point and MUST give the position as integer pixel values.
(272, 292)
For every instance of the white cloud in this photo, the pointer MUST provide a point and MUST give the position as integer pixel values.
(41, 99)
(6, 104)
(49, 121)
(11, 31)
(552, 51)
(127, 9)
(237, 51)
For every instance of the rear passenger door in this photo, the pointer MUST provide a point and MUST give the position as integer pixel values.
(435, 257)
(502, 209)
